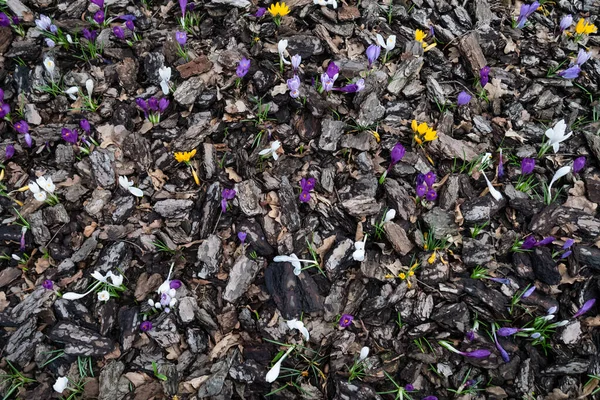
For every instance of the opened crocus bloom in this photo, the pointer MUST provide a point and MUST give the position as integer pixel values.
(128, 185)
(272, 151)
(295, 324)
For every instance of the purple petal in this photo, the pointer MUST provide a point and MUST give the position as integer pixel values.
(481, 353)
(507, 331)
(585, 308)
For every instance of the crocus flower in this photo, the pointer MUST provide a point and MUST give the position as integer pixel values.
(431, 195)
(130, 25)
(327, 82)
(294, 86)
(421, 190)
(373, 52)
(163, 104)
(273, 373)
(481, 353)
(556, 135)
(529, 291)
(21, 127)
(282, 50)
(388, 44)
(306, 186)
(295, 324)
(528, 243)
(84, 124)
(507, 331)
(364, 353)
(559, 174)
(359, 250)
(153, 103)
(346, 320)
(397, 154)
(50, 43)
(409, 388)
(272, 150)
(103, 295)
(9, 152)
(500, 165)
(143, 104)
(493, 191)
(4, 110)
(69, 136)
(89, 35)
(181, 38)
(61, 384)
(545, 241)
(430, 178)
(503, 281)
(183, 7)
(526, 11)
(470, 336)
(48, 284)
(585, 308)
(484, 76)
(226, 194)
(582, 57)
(353, 87)
(527, 165)
(243, 67)
(584, 27)
(145, 326)
(38, 194)
(565, 22)
(503, 352)
(242, 236)
(294, 260)
(99, 17)
(463, 98)
(99, 3)
(578, 164)
(296, 60)
(260, 12)
(128, 185)
(571, 72)
(43, 23)
(4, 20)
(333, 71)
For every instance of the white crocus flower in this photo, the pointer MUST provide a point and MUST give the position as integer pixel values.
(97, 275)
(282, 49)
(364, 353)
(165, 77)
(495, 193)
(128, 185)
(359, 252)
(559, 174)
(77, 296)
(117, 280)
(557, 135)
(295, 324)
(49, 65)
(69, 39)
(16, 257)
(273, 373)
(388, 44)
(294, 260)
(89, 85)
(166, 285)
(271, 150)
(61, 384)
(72, 91)
(38, 194)
(103, 295)
(46, 184)
(390, 215)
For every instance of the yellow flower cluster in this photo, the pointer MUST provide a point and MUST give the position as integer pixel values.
(185, 156)
(405, 275)
(585, 28)
(423, 132)
(420, 37)
(279, 9)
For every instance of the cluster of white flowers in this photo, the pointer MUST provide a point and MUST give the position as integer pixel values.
(41, 188)
(108, 280)
(74, 90)
(167, 292)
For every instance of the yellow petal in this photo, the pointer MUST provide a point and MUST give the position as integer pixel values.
(431, 258)
(195, 175)
(414, 125)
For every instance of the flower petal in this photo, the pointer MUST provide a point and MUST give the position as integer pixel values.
(136, 191)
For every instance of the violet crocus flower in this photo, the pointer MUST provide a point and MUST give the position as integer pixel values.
(333, 71)
(119, 32)
(346, 320)
(163, 104)
(585, 308)
(503, 352)
(430, 178)
(421, 190)
(565, 22)
(571, 72)
(527, 165)
(373, 52)
(99, 17)
(500, 165)
(28, 140)
(578, 164)
(294, 86)
(242, 236)
(308, 184)
(431, 195)
(153, 103)
(89, 35)
(145, 326)
(327, 82)
(183, 7)
(463, 98)
(296, 60)
(528, 243)
(545, 241)
(409, 388)
(69, 136)
(4, 20)
(260, 12)
(504, 281)
(480, 353)
(48, 284)
(397, 154)
(484, 76)
(84, 124)
(130, 25)
(99, 3)
(582, 57)
(226, 194)
(470, 336)
(507, 331)
(526, 11)
(175, 284)
(21, 127)
(4, 110)
(353, 87)
(528, 292)
(9, 152)
(181, 38)
(243, 67)
(143, 104)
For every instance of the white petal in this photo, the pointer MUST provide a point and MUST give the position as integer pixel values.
(390, 215)
(97, 275)
(124, 182)
(34, 187)
(560, 128)
(61, 384)
(164, 73)
(151, 302)
(297, 269)
(164, 85)
(550, 134)
(284, 259)
(391, 43)
(275, 145)
(559, 174)
(275, 156)
(89, 85)
(556, 146)
(273, 373)
(40, 196)
(380, 40)
(358, 255)
(74, 296)
(41, 181)
(264, 152)
(136, 191)
(495, 193)
(282, 46)
(364, 353)
(172, 292)
(117, 280)
(172, 302)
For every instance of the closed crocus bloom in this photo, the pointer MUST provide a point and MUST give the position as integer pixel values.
(130, 25)
(582, 57)
(118, 32)
(282, 50)
(61, 384)
(528, 292)
(484, 76)
(507, 331)
(373, 52)
(559, 174)
(99, 17)
(89, 85)
(333, 71)
(296, 60)
(397, 153)
(9, 152)
(4, 20)
(585, 308)
(526, 11)
(545, 241)
(578, 164)
(463, 98)
(527, 165)
(566, 22)
(528, 243)
(421, 190)
(364, 353)
(163, 104)
(84, 124)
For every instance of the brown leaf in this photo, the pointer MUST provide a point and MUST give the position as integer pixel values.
(158, 179)
(66, 281)
(3, 302)
(565, 277)
(137, 378)
(41, 264)
(327, 243)
(231, 174)
(88, 230)
(223, 345)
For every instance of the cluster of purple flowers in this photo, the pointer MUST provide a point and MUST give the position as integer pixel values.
(119, 32)
(526, 11)
(45, 24)
(226, 194)
(484, 76)
(5, 20)
(425, 186)
(72, 135)
(153, 108)
(23, 128)
(328, 79)
(4, 107)
(89, 35)
(243, 68)
(530, 242)
(306, 185)
(575, 69)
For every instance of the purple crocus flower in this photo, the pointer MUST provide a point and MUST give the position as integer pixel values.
(470, 336)
(50, 43)
(89, 35)
(565, 22)
(527, 165)
(431, 195)
(48, 284)
(242, 236)
(528, 243)
(373, 52)
(119, 32)
(409, 388)
(484, 76)
(130, 25)
(346, 320)
(480, 353)
(9, 152)
(165, 299)
(582, 57)
(507, 331)
(99, 17)
(578, 164)
(528, 292)
(353, 87)
(463, 98)
(181, 38)
(175, 284)
(430, 178)
(69, 136)
(503, 281)
(145, 326)
(260, 12)
(162, 105)
(99, 3)
(503, 352)
(127, 17)
(294, 86)
(183, 6)
(296, 60)
(53, 28)
(526, 11)
(545, 241)
(304, 197)
(333, 71)
(308, 184)
(84, 124)
(21, 127)
(143, 104)
(568, 244)
(585, 308)
(4, 20)
(243, 67)
(571, 72)
(28, 140)
(500, 166)
(421, 190)
(153, 103)
(327, 82)
(4, 110)
(226, 194)
(397, 154)
(420, 179)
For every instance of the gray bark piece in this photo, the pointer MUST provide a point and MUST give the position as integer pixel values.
(100, 198)
(398, 238)
(406, 72)
(109, 376)
(290, 217)
(361, 205)
(174, 208)
(85, 250)
(233, 3)
(41, 234)
(189, 90)
(331, 132)
(165, 332)
(103, 168)
(371, 110)
(471, 50)
(80, 341)
(55, 215)
(21, 345)
(39, 300)
(209, 253)
(249, 197)
(20, 10)
(200, 127)
(115, 256)
(242, 274)
(209, 160)
(187, 309)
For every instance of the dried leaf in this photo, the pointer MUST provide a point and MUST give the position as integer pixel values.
(41, 264)
(327, 243)
(88, 230)
(223, 345)
(565, 277)
(137, 378)
(3, 302)
(67, 281)
(279, 89)
(231, 174)
(495, 89)
(512, 134)
(158, 179)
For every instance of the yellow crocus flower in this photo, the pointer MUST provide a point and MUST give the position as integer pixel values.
(185, 157)
(420, 35)
(585, 28)
(279, 9)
